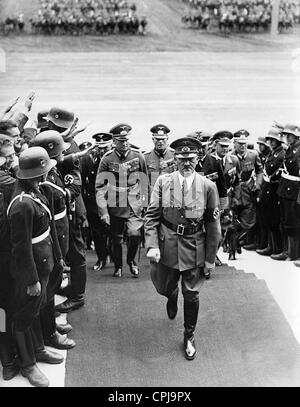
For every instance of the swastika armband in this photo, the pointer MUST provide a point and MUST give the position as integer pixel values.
(69, 179)
(212, 214)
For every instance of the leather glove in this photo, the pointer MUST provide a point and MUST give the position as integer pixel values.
(154, 255)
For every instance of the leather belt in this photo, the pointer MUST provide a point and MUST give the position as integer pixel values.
(290, 177)
(60, 215)
(122, 189)
(40, 238)
(182, 230)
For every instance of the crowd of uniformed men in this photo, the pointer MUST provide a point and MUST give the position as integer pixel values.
(88, 17)
(52, 191)
(241, 15)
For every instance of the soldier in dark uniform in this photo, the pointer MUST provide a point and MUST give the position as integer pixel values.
(160, 160)
(210, 167)
(262, 237)
(289, 193)
(230, 168)
(122, 188)
(269, 200)
(32, 262)
(62, 121)
(7, 182)
(251, 178)
(183, 205)
(54, 190)
(99, 232)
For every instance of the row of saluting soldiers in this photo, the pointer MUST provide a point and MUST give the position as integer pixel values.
(53, 187)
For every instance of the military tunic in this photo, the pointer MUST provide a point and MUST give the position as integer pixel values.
(251, 178)
(159, 163)
(32, 253)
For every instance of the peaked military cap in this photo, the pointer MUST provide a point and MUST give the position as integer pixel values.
(103, 139)
(186, 147)
(61, 117)
(241, 133)
(202, 136)
(275, 133)
(223, 137)
(121, 131)
(160, 131)
(263, 140)
(41, 119)
(291, 129)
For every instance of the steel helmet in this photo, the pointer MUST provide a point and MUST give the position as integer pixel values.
(34, 162)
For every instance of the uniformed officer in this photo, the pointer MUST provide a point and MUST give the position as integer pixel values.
(183, 231)
(54, 190)
(269, 200)
(230, 167)
(160, 160)
(99, 232)
(7, 182)
(63, 121)
(32, 262)
(289, 193)
(251, 177)
(262, 237)
(122, 187)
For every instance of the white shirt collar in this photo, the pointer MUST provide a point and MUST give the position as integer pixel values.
(189, 179)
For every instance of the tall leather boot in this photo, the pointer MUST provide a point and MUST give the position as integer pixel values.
(27, 358)
(190, 311)
(133, 245)
(8, 357)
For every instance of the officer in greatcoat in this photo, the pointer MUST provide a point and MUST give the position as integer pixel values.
(99, 232)
(182, 230)
(122, 188)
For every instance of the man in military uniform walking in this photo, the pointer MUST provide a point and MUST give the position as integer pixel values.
(99, 231)
(122, 188)
(160, 160)
(183, 231)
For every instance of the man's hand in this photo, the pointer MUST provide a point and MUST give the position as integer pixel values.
(9, 107)
(154, 255)
(106, 219)
(29, 100)
(34, 290)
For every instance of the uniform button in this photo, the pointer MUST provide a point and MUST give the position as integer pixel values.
(63, 236)
(289, 189)
(49, 243)
(44, 261)
(271, 165)
(93, 172)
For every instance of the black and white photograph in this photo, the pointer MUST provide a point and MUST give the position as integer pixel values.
(150, 196)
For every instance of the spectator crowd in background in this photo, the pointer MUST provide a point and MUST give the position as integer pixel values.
(240, 15)
(84, 17)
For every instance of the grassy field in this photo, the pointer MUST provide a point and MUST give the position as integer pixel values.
(166, 32)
